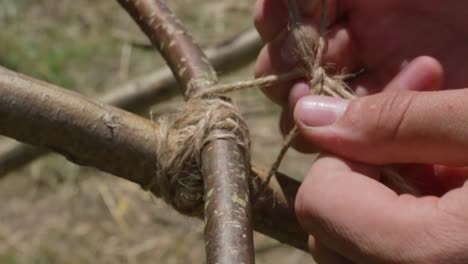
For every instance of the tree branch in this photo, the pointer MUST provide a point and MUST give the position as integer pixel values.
(228, 228)
(92, 134)
(114, 141)
(14, 155)
(187, 62)
(85, 131)
(227, 56)
(142, 92)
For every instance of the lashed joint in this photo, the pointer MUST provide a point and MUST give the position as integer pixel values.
(180, 141)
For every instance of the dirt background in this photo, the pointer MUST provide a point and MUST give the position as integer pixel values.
(55, 212)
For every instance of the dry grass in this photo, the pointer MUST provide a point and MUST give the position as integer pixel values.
(55, 212)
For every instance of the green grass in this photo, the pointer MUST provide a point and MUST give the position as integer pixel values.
(52, 63)
(70, 47)
(14, 258)
(9, 259)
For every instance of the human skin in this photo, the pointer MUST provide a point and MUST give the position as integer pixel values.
(413, 111)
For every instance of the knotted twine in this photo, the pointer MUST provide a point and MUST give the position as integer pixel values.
(310, 58)
(180, 141)
(208, 117)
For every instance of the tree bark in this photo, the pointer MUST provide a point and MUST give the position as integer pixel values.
(228, 225)
(149, 89)
(92, 134)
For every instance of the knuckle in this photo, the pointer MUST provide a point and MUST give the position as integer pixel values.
(382, 117)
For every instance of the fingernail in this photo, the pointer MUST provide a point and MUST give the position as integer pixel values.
(319, 111)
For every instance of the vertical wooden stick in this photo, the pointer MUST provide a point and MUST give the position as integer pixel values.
(228, 235)
(228, 230)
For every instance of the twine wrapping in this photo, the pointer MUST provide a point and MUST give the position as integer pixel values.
(180, 140)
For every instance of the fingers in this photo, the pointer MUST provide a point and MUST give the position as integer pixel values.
(340, 56)
(343, 206)
(421, 74)
(271, 16)
(277, 57)
(287, 122)
(298, 91)
(280, 56)
(434, 180)
(393, 127)
(323, 255)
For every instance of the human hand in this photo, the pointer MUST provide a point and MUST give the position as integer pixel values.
(385, 38)
(352, 215)
(355, 219)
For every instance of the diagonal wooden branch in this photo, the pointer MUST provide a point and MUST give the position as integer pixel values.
(142, 92)
(227, 56)
(14, 155)
(228, 224)
(92, 134)
(187, 62)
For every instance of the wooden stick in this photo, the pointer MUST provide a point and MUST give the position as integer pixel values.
(228, 228)
(93, 134)
(149, 89)
(228, 56)
(14, 155)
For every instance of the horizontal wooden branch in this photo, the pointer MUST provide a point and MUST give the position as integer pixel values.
(93, 134)
(85, 131)
(142, 92)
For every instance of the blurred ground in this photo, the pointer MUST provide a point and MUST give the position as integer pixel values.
(55, 212)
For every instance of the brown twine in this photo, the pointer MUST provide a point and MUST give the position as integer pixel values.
(180, 140)
(181, 137)
(310, 60)
(207, 117)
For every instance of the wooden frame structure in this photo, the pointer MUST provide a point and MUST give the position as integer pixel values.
(92, 133)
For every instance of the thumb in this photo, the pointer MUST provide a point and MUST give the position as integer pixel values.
(392, 127)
